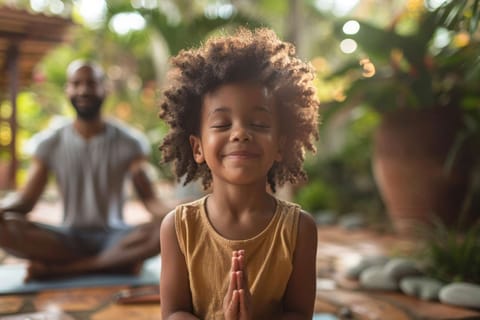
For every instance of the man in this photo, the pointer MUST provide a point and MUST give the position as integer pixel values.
(90, 158)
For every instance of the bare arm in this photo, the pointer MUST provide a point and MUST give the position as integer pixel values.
(24, 200)
(299, 297)
(145, 189)
(174, 285)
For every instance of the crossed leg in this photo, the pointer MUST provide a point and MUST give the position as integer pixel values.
(49, 256)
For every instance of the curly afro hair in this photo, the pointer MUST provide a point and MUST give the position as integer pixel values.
(246, 56)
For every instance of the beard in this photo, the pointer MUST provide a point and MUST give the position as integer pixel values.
(90, 111)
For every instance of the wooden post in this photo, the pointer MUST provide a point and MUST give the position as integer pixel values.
(12, 70)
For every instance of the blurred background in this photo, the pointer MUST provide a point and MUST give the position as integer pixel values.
(377, 61)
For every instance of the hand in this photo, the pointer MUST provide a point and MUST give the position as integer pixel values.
(236, 304)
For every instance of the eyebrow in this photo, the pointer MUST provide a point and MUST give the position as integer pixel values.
(219, 109)
(260, 108)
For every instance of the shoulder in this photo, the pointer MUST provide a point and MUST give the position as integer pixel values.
(307, 223)
(190, 210)
(168, 223)
(300, 219)
(295, 212)
(168, 233)
(124, 130)
(188, 217)
(181, 224)
(307, 235)
(294, 208)
(128, 134)
(46, 138)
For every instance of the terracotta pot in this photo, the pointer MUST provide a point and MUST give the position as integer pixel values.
(410, 151)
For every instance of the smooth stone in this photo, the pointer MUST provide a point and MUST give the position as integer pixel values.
(325, 218)
(352, 221)
(397, 268)
(461, 294)
(424, 288)
(364, 263)
(376, 278)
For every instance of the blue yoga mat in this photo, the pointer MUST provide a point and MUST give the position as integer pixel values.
(11, 279)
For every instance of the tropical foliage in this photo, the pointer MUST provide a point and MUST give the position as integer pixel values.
(136, 60)
(422, 59)
(450, 255)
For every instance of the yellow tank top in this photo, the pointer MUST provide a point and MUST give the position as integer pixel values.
(268, 257)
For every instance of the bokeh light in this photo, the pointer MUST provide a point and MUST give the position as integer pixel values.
(348, 46)
(351, 27)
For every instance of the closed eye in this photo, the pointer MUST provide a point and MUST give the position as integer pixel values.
(220, 126)
(261, 125)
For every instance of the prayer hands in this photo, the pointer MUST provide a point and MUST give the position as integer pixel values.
(236, 304)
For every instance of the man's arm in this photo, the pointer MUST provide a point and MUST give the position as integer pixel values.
(24, 200)
(145, 189)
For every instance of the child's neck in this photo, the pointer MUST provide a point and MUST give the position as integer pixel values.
(240, 212)
(240, 196)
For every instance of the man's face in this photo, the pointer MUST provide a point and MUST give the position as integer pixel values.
(86, 92)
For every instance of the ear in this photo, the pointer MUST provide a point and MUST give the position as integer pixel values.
(197, 151)
(281, 147)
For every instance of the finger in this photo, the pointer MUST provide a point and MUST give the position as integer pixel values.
(235, 301)
(232, 285)
(235, 254)
(242, 283)
(233, 307)
(242, 305)
(241, 261)
(235, 264)
(238, 280)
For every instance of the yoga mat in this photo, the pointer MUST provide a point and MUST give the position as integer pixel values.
(11, 279)
(324, 316)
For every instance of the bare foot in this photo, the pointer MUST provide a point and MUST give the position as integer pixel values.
(38, 270)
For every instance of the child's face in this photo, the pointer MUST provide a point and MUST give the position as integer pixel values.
(239, 133)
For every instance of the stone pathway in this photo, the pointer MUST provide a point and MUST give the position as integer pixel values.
(340, 249)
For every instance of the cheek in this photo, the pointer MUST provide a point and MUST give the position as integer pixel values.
(211, 145)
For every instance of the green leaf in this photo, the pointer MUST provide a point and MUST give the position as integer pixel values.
(475, 17)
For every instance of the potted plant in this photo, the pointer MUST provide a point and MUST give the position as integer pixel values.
(422, 74)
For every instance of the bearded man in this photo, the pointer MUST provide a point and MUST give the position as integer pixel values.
(91, 158)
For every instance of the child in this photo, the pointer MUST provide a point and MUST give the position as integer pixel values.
(242, 110)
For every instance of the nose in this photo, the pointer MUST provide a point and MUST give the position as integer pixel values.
(240, 133)
(83, 89)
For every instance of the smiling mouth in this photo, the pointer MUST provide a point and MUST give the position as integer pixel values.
(84, 100)
(241, 155)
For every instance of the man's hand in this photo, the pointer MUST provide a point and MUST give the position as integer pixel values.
(236, 304)
(24, 200)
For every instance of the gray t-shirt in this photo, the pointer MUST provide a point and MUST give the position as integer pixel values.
(91, 173)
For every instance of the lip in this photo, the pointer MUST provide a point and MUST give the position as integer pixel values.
(242, 154)
(84, 99)
(84, 102)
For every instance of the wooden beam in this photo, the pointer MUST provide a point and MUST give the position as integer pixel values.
(12, 67)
